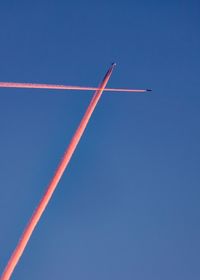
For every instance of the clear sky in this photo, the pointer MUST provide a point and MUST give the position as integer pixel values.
(128, 205)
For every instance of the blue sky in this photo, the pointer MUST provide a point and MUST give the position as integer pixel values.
(128, 205)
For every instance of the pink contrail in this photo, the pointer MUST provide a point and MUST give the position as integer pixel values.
(64, 87)
(14, 259)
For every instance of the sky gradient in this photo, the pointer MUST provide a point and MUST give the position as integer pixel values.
(128, 204)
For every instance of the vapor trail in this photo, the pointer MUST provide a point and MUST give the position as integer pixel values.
(64, 87)
(14, 259)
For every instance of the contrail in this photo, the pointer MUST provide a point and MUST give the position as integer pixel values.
(65, 87)
(14, 259)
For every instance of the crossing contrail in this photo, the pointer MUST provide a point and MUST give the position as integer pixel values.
(14, 259)
(64, 87)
